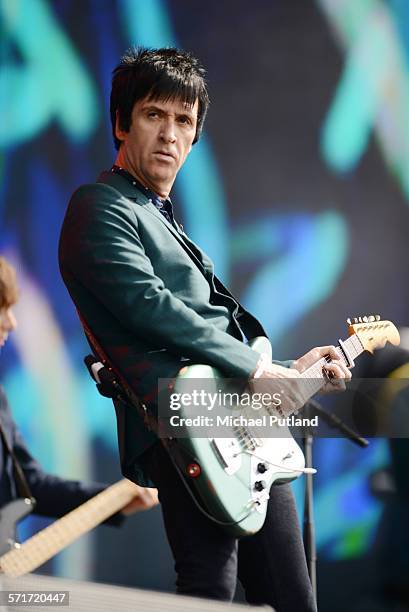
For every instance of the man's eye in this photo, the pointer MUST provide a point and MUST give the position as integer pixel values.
(185, 120)
(152, 114)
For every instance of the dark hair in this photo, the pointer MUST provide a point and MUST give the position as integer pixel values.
(8, 284)
(160, 74)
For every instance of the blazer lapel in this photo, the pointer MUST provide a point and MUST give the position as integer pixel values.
(132, 193)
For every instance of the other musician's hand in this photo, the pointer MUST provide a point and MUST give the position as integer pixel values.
(144, 499)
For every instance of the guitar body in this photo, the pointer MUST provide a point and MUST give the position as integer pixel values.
(227, 490)
(10, 514)
(232, 477)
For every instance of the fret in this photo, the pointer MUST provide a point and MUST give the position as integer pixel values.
(357, 345)
(314, 378)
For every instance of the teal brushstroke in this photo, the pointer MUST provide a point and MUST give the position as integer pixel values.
(204, 207)
(357, 101)
(97, 411)
(348, 15)
(348, 125)
(315, 244)
(373, 91)
(26, 404)
(50, 84)
(256, 239)
(147, 23)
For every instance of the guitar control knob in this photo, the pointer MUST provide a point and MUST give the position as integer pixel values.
(259, 485)
(261, 468)
(193, 470)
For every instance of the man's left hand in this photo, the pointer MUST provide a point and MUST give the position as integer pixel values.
(336, 371)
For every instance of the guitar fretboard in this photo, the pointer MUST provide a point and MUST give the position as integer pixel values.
(48, 542)
(314, 378)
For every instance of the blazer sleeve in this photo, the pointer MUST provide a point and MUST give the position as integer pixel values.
(101, 247)
(54, 496)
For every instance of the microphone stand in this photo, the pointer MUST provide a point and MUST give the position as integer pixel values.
(311, 408)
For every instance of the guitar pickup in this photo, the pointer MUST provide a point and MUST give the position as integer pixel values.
(228, 452)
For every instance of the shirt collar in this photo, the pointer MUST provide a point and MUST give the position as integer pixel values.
(151, 195)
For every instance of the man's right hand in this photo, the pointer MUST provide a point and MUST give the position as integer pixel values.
(268, 378)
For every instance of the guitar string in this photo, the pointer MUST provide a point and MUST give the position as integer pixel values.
(253, 433)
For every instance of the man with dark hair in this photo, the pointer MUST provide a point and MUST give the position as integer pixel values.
(136, 77)
(153, 303)
(54, 496)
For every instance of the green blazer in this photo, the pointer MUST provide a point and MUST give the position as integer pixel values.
(145, 293)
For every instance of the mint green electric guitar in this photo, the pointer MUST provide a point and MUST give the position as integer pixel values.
(231, 476)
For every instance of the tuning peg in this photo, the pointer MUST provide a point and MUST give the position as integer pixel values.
(371, 319)
(377, 317)
(355, 320)
(365, 319)
(360, 319)
(349, 321)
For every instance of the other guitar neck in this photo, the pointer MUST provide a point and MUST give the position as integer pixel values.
(51, 540)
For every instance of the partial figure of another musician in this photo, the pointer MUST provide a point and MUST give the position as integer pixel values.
(54, 496)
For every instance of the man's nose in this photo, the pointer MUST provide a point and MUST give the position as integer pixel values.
(168, 133)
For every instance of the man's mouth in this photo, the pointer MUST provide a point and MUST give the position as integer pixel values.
(165, 155)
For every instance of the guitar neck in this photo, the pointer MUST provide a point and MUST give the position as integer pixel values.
(314, 378)
(51, 540)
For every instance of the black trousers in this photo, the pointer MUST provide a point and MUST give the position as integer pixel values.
(270, 565)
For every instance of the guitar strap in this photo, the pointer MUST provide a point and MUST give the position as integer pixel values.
(130, 396)
(248, 324)
(21, 481)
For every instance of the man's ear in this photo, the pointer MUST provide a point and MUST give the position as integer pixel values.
(119, 132)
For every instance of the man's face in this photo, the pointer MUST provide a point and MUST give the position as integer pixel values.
(158, 142)
(8, 323)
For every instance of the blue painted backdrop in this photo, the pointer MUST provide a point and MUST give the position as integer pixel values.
(300, 189)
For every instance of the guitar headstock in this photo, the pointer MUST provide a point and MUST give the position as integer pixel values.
(372, 332)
